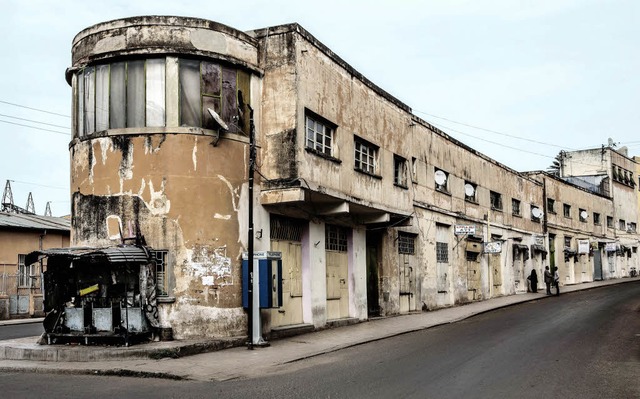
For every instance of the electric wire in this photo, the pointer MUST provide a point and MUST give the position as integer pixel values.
(36, 128)
(34, 121)
(35, 109)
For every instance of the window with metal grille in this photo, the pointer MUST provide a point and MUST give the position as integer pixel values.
(335, 238)
(442, 252)
(23, 272)
(286, 229)
(160, 258)
(366, 155)
(406, 243)
(319, 135)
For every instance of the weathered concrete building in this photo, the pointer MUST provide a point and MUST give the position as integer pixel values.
(611, 172)
(578, 236)
(375, 211)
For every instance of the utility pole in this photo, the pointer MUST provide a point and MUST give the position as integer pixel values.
(252, 159)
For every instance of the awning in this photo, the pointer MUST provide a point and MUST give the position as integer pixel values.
(520, 247)
(570, 252)
(538, 248)
(119, 254)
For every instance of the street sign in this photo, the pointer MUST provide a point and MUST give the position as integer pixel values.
(493, 247)
(464, 229)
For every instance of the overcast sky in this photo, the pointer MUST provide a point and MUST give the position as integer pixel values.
(517, 80)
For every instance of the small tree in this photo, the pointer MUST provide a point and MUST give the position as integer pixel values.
(556, 166)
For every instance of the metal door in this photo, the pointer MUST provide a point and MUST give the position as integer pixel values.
(597, 265)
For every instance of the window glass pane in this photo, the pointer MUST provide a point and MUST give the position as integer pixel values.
(135, 94)
(80, 104)
(89, 101)
(190, 93)
(155, 92)
(211, 84)
(102, 97)
(229, 99)
(118, 113)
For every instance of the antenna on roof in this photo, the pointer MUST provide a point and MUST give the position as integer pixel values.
(47, 210)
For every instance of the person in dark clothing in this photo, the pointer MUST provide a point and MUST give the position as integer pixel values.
(547, 279)
(533, 280)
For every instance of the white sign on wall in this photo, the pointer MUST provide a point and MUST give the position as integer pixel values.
(583, 246)
(463, 229)
(493, 247)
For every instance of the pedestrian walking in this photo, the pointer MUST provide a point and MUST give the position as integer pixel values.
(533, 280)
(556, 280)
(547, 279)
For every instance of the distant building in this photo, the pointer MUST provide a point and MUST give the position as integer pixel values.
(20, 283)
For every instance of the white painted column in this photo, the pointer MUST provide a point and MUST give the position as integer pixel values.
(314, 276)
(358, 274)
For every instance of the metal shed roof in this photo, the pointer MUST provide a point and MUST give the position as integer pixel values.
(120, 254)
(33, 222)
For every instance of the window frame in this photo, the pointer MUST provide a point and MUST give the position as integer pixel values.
(493, 197)
(362, 148)
(443, 188)
(162, 272)
(566, 210)
(471, 198)
(406, 243)
(551, 206)
(610, 223)
(580, 218)
(328, 135)
(516, 207)
(400, 171)
(596, 219)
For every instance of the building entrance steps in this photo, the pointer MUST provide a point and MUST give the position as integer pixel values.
(169, 359)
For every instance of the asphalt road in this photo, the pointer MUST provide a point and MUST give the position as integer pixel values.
(12, 331)
(580, 345)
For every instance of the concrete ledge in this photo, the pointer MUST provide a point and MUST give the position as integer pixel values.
(28, 349)
(290, 331)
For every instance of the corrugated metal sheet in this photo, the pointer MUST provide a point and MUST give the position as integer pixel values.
(34, 222)
(122, 254)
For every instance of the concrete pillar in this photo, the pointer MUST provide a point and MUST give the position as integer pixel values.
(358, 274)
(314, 276)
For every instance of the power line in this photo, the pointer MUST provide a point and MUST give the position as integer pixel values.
(34, 109)
(493, 131)
(37, 128)
(34, 121)
(38, 184)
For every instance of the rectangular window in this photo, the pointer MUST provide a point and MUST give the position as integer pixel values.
(631, 227)
(622, 225)
(102, 97)
(583, 214)
(155, 92)
(496, 200)
(399, 171)
(567, 241)
(442, 252)
(366, 155)
(135, 94)
(319, 135)
(610, 222)
(536, 213)
(335, 238)
(515, 207)
(406, 243)
(189, 76)
(81, 107)
(596, 219)
(442, 180)
(567, 210)
(117, 98)
(414, 169)
(23, 272)
(89, 100)
(160, 257)
(470, 191)
(551, 205)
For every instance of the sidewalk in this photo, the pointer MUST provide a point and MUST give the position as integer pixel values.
(238, 361)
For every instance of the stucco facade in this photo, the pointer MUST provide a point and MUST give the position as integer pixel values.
(375, 211)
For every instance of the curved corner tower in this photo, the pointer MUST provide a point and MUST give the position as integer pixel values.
(159, 150)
